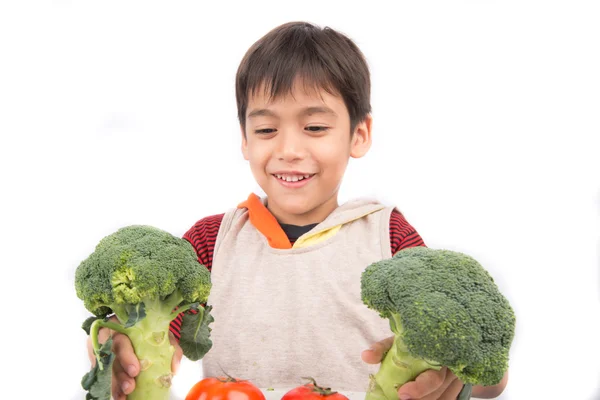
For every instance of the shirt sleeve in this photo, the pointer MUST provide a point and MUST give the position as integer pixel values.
(202, 236)
(402, 234)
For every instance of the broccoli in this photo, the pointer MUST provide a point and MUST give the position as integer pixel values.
(145, 277)
(444, 309)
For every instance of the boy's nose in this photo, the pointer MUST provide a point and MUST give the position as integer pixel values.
(290, 147)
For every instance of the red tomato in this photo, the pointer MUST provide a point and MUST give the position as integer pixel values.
(224, 388)
(312, 391)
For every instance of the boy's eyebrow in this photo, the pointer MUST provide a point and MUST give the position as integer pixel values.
(261, 112)
(265, 112)
(318, 110)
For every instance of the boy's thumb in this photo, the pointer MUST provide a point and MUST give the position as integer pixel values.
(375, 353)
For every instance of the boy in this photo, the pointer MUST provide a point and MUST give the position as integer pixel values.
(286, 268)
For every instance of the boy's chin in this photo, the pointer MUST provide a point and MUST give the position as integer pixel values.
(297, 206)
(291, 204)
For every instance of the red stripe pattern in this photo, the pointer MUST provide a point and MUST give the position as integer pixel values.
(203, 236)
(402, 234)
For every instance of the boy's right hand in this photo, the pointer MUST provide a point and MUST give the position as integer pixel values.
(126, 366)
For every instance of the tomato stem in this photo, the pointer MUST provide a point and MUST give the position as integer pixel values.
(318, 389)
(229, 378)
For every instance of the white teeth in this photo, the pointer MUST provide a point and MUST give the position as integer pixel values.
(292, 178)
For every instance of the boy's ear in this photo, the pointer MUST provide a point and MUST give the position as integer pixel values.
(244, 143)
(361, 139)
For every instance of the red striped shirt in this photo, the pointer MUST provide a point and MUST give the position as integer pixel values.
(203, 235)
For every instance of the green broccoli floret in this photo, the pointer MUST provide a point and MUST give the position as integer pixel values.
(145, 277)
(444, 309)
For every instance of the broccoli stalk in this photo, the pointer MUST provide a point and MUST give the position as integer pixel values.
(398, 365)
(444, 309)
(149, 337)
(145, 277)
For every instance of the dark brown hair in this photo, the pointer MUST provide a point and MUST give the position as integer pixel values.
(322, 57)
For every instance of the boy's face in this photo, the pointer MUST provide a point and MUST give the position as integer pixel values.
(298, 147)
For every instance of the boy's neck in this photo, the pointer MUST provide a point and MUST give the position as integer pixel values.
(313, 216)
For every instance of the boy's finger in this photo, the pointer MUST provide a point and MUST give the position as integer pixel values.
(125, 356)
(122, 383)
(177, 355)
(90, 351)
(117, 394)
(425, 384)
(374, 355)
(103, 335)
(449, 390)
(453, 390)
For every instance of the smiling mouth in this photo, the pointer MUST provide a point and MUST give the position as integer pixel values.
(293, 177)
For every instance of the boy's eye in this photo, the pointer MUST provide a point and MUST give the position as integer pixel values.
(316, 128)
(265, 131)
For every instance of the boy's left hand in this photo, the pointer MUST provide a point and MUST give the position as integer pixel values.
(430, 385)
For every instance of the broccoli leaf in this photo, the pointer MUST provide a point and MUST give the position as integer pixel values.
(87, 324)
(195, 333)
(136, 313)
(100, 390)
(97, 382)
(89, 378)
(194, 307)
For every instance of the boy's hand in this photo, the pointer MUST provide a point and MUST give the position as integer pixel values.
(430, 385)
(126, 365)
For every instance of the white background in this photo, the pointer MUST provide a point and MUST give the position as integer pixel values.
(485, 135)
